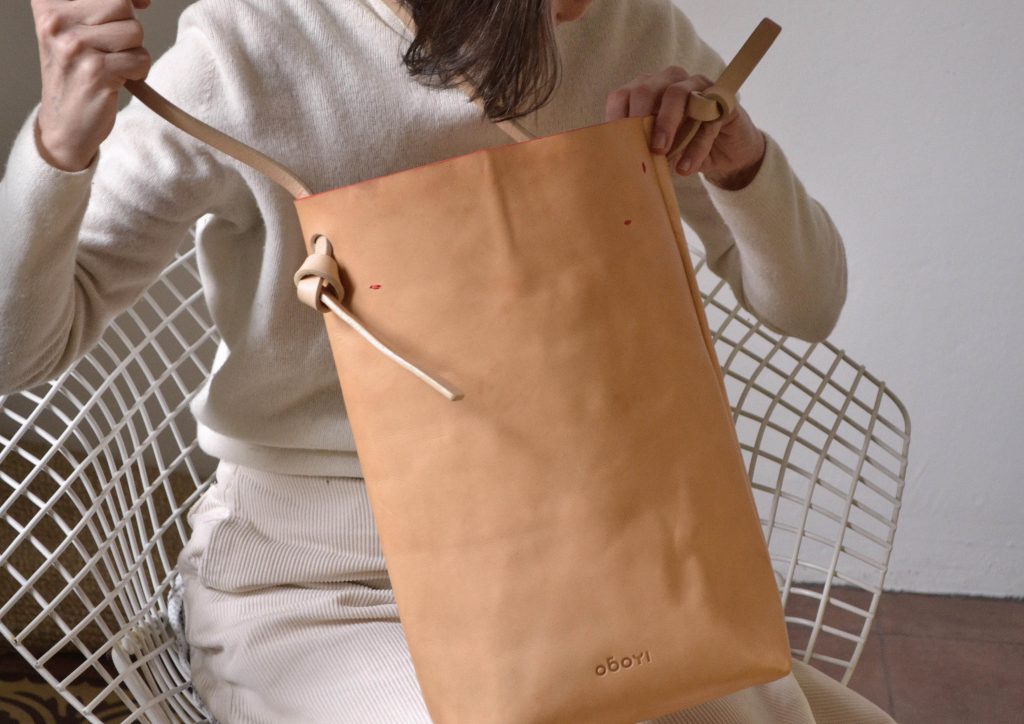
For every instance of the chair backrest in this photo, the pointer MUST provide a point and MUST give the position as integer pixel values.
(100, 466)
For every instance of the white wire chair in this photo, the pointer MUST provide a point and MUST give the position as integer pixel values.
(101, 465)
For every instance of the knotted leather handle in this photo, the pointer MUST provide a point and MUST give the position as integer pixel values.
(719, 100)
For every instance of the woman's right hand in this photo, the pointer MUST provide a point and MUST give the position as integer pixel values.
(87, 49)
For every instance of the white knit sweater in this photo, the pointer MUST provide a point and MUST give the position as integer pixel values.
(319, 86)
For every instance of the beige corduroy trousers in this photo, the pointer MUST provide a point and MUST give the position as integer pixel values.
(290, 617)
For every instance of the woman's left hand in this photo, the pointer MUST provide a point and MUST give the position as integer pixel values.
(728, 151)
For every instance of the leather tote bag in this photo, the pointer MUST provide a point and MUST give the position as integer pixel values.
(542, 422)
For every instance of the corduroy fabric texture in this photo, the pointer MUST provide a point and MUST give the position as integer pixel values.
(290, 617)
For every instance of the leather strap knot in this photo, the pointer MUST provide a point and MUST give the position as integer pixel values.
(719, 100)
(318, 273)
(711, 104)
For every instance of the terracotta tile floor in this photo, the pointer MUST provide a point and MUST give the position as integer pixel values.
(940, 659)
(929, 659)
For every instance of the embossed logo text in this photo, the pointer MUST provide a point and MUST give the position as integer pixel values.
(611, 664)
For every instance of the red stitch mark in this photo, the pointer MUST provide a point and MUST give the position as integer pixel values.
(375, 286)
(644, 165)
(628, 222)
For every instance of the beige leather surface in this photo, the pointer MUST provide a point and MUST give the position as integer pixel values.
(593, 455)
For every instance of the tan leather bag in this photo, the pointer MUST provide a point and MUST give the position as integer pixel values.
(558, 488)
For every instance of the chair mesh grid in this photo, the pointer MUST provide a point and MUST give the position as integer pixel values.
(102, 467)
(826, 445)
(98, 473)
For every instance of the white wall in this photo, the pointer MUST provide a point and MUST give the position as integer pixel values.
(903, 120)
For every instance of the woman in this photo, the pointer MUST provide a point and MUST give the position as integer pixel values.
(289, 609)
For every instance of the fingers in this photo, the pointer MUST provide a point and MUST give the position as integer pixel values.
(98, 41)
(641, 96)
(617, 105)
(636, 98)
(672, 111)
(670, 124)
(670, 115)
(666, 95)
(87, 50)
(132, 64)
(68, 13)
(112, 37)
(698, 150)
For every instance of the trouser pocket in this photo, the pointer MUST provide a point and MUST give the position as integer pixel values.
(204, 517)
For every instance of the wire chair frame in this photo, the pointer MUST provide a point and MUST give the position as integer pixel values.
(827, 446)
(98, 476)
(86, 499)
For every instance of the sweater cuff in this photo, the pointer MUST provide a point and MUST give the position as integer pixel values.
(762, 203)
(39, 185)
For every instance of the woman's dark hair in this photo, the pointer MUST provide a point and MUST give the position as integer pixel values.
(505, 48)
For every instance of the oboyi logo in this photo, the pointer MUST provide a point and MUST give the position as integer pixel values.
(611, 664)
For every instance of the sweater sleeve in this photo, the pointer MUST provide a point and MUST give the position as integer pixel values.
(81, 247)
(774, 244)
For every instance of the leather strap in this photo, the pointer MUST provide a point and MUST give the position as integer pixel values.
(191, 125)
